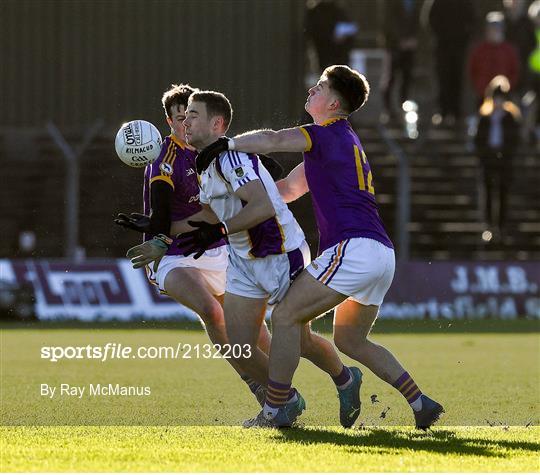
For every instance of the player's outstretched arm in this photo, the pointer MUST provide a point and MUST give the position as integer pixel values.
(161, 196)
(160, 219)
(294, 185)
(268, 141)
(134, 221)
(257, 141)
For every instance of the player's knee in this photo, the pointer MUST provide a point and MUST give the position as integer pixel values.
(212, 313)
(349, 344)
(242, 336)
(307, 347)
(341, 344)
(284, 316)
(281, 319)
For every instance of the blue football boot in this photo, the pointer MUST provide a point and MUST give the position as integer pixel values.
(349, 399)
(285, 417)
(260, 395)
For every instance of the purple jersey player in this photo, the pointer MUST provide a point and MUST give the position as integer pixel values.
(171, 194)
(176, 167)
(355, 265)
(343, 200)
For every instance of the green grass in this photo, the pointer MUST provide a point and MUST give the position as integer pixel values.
(231, 449)
(190, 421)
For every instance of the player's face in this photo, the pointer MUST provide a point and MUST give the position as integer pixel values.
(319, 98)
(176, 121)
(198, 125)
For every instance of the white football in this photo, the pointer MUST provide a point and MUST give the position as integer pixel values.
(138, 143)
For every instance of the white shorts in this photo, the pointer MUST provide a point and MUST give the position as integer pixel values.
(267, 277)
(212, 265)
(361, 268)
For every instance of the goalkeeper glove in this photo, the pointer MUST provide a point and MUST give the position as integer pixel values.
(205, 157)
(136, 221)
(152, 250)
(200, 239)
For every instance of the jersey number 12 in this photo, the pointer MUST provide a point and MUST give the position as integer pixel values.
(360, 159)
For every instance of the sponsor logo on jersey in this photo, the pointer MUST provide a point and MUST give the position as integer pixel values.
(189, 171)
(166, 168)
(239, 172)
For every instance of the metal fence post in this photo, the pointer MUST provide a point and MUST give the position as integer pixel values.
(71, 209)
(403, 195)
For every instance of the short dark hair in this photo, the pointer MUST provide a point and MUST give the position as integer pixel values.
(176, 95)
(351, 86)
(216, 105)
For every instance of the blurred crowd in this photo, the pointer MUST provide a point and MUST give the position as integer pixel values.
(466, 46)
(485, 66)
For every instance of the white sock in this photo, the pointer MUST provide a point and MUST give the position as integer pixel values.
(417, 404)
(270, 412)
(293, 398)
(346, 385)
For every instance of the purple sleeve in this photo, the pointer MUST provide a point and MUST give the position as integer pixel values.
(162, 169)
(312, 133)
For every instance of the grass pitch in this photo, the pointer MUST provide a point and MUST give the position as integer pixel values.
(488, 382)
(232, 449)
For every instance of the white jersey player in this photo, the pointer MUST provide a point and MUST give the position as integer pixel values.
(267, 248)
(260, 255)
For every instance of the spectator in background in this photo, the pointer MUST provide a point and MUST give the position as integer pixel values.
(401, 30)
(496, 141)
(452, 24)
(332, 33)
(492, 57)
(520, 32)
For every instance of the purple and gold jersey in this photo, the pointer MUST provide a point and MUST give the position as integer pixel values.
(176, 167)
(339, 178)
